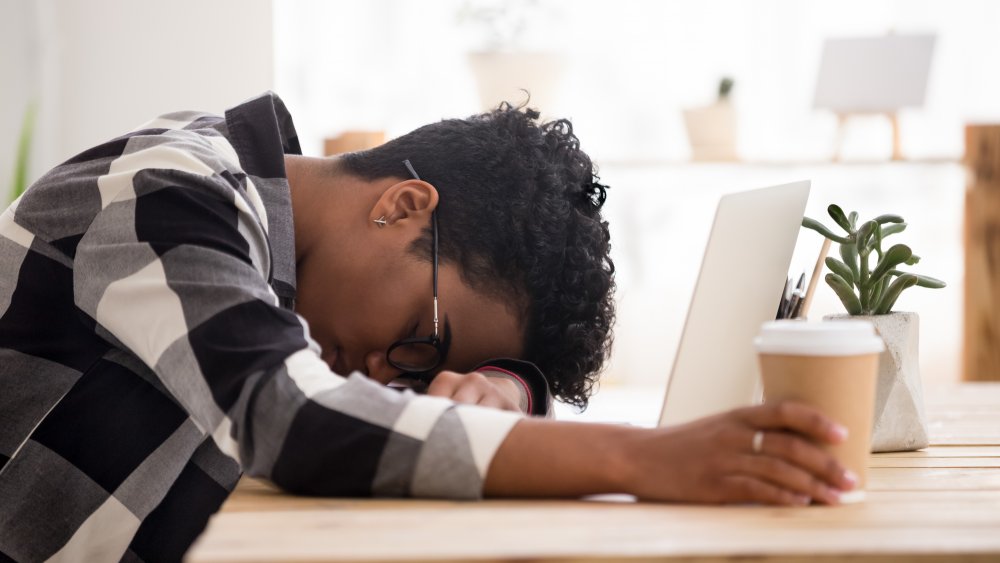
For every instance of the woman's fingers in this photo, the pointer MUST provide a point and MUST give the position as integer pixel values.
(469, 388)
(797, 417)
(806, 427)
(744, 489)
(802, 453)
(498, 402)
(444, 384)
(784, 475)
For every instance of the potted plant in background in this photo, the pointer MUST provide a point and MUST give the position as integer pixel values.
(20, 180)
(712, 129)
(504, 66)
(868, 281)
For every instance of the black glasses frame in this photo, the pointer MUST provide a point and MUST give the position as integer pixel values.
(434, 339)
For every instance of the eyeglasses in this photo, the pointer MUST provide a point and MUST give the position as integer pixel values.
(419, 356)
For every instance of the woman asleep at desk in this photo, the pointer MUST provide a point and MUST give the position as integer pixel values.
(195, 300)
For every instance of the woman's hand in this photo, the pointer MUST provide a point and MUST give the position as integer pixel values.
(476, 389)
(713, 460)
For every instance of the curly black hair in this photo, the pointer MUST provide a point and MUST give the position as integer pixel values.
(520, 213)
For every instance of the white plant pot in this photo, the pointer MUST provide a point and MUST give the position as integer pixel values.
(712, 131)
(504, 76)
(900, 421)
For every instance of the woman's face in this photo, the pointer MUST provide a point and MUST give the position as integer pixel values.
(359, 306)
(361, 290)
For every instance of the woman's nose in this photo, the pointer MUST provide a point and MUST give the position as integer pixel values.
(379, 369)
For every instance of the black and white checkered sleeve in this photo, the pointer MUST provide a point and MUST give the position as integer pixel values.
(174, 267)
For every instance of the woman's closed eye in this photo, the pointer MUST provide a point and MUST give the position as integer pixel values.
(413, 332)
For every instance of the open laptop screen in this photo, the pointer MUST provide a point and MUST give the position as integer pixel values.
(742, 276)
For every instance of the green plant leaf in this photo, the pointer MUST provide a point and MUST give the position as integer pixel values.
(845, 293)
(892, 293)
(838, 216)
(876, 242)
(913, 260)
(821, 229)
(849, 253)
(880, 288)
(841, 269)
(896, 255)
(888, 218)
(20, 182)
(853, 219)
(893, 229)
(865, 231)
(922, 281)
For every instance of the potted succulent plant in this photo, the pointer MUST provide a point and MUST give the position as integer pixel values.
(868, 281)
(511, 61)
(711, 129)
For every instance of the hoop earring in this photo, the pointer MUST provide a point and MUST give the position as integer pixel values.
(380, 221)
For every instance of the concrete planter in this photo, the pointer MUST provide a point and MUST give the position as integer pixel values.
(900, 420)
(712, 132)
(504, 77)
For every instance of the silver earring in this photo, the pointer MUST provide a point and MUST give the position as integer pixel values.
(380, 221)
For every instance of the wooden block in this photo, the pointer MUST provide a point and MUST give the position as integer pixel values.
(982, 154)
(352, 141)
(981, 357)
(981, 354)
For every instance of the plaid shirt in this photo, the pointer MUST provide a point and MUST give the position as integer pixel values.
(150, 354)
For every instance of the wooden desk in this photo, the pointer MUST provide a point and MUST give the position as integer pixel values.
(940, 504)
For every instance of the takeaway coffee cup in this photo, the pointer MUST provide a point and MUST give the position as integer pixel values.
(832, 366)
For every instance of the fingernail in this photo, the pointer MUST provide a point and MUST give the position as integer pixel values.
(832, 496)
(850, 477)
(840, 432)
(803, 500)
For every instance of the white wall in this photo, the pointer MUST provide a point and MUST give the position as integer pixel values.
(18, 78)
(100, 67)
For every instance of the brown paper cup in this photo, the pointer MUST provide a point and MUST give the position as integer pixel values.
(833, 369)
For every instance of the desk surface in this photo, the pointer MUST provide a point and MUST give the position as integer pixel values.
(939, 504)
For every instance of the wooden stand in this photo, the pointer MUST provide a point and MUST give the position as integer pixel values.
(981, 350)
(897, 153)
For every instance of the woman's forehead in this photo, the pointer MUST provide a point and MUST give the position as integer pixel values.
(482, 326)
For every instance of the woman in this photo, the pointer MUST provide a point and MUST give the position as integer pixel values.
(195, 300)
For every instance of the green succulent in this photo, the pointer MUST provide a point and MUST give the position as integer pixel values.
(20, 180)
(862, 289)
(725, 87)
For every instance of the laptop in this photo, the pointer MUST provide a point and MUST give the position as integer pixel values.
(742, 277)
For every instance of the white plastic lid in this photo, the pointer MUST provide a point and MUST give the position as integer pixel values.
(830, 338)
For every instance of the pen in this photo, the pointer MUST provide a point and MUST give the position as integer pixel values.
(795, 303)
(786, 295)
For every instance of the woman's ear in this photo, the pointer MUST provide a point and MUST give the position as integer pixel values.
(410, 200)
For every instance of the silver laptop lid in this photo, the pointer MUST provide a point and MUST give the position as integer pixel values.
(742, 276)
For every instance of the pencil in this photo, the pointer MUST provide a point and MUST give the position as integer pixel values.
(817, 270)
